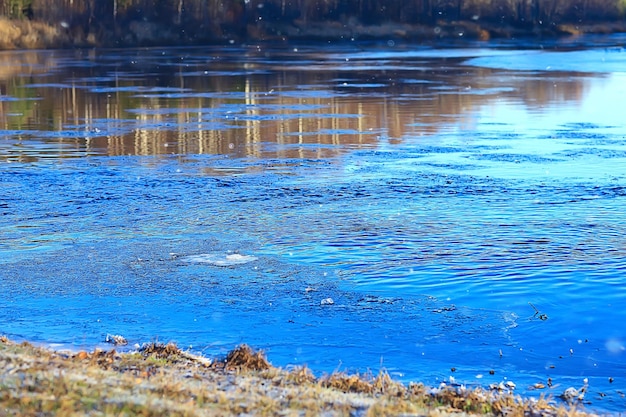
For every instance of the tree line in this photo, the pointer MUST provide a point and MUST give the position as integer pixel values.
(237, 16)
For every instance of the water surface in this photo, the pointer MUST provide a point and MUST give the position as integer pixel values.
(447, 200)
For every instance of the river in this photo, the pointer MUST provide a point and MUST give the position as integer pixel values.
(449, 213)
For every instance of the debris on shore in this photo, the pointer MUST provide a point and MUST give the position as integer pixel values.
(161, 379)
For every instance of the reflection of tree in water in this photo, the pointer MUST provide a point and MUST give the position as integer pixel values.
(142, 104)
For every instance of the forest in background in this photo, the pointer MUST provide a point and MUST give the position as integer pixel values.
(192, 21)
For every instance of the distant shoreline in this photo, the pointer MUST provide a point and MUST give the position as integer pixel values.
(26, 34)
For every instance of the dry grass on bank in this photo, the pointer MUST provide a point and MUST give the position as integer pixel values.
(163, 380)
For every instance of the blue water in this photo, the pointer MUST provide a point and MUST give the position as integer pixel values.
(436, 198)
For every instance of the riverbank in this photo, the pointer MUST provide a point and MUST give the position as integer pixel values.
(161, 379)
(26, 34)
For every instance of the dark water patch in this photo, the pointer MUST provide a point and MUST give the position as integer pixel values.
(596, 152)
(316, 133)
(451, 166)
(100, 79)
(417, 81)
(445, 88)
(418, 124)
(436, 150)
(7, 98)
(487, 91)
(19, 133)
(312, 93)
(423, 52)
(342, 66)
(582, 125)
(228, 73)
(341, 132)
(206, 95)
(291, 107)
(138, 89)
(51, 85)
(361, 85)
(516, 158)
(169, 111)
(598, 143)
(406, 98)
(291, 116)
(578, 135)
(497, 124)
(133, 76)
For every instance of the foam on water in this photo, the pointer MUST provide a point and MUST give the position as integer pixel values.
(220, 259)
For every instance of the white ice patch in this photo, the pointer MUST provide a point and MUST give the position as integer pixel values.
(220, 259)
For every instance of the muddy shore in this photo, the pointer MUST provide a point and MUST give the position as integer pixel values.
(26, 34)
(160, 379)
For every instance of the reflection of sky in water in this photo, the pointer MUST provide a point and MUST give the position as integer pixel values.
(593, 125)
(599, 106)
(603, 103)
(608, 60)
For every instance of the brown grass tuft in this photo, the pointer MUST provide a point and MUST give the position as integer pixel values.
(347, 383)
(244, 357)
(160, 351)
(381, 384)
(301, 375)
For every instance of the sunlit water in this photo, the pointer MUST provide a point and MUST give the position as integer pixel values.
(447, 201)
